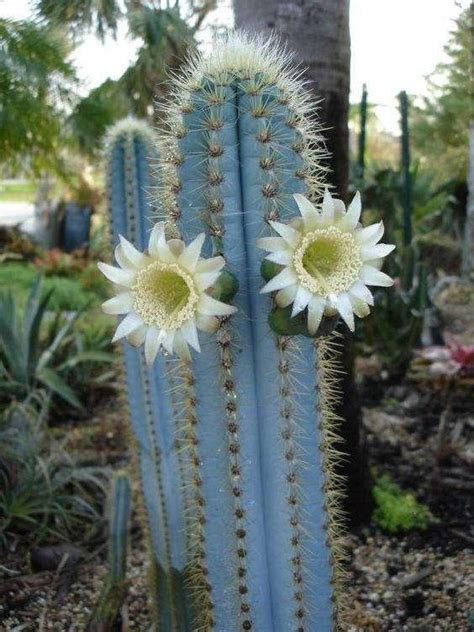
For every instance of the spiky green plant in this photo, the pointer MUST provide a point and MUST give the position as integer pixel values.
(236, 443)
(107, 610)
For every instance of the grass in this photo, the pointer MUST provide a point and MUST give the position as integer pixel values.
(11, 191)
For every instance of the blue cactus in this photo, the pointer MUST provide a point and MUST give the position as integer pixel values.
(131, 159)
(235, 447)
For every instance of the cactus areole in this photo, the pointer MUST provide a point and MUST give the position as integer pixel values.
(233, 423)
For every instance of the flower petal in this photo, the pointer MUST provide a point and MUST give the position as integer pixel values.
(211, 307)
(119, 304)
(315, 313)
(339, 208)
(302, 298)
(375, 252)
(214, 264)
(131, 322)
(328, 207)
(344, 307)
(206, 279)
(374, 263)
(282, 279)
(168, 341)
(190, 255)
(153, 341)
(369, 235)
(121, 259)
(133, 255)
(181, 347)
(360, 290)
(289, 234)
(286, 296)
(309, 212)
(283, 257)
(359, 307)
(126, 278)
(352, 216)
(189, 331)
(176, 246)
(371, 276)
(158, 246)
(137, 338)
(272, 244)
(207, 323)
(157, 238)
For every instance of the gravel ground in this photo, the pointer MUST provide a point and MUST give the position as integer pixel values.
(48, 608)
(420, 582)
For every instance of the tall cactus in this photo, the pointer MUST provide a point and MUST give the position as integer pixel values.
(237, 441)
(131, 158)
(239, 144)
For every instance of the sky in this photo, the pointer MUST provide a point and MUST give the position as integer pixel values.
(395, 45)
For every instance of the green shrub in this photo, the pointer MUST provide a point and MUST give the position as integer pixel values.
(68, 294)
(92, 280)
(398, 511)
(44, 496)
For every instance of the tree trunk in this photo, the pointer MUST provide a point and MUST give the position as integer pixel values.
(317, 31)
(468, 252)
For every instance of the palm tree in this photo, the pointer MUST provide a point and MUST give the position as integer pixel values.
(318, 33)
(167, 35)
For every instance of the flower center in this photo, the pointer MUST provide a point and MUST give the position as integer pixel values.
(164, 295)
(327, 261)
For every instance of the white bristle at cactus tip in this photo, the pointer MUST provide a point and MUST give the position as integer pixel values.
(129, 126)
(328, 259)
(162, 293)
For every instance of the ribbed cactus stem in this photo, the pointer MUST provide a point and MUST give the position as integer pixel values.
(241, 143)
(131, 160)
(236, 446)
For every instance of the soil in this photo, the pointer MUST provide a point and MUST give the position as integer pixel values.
(420, 432)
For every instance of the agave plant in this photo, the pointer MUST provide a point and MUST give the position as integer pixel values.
(32, 350)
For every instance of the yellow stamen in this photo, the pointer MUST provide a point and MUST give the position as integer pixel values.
(164, 295)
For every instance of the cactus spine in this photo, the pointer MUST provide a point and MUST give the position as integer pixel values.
(236, 446)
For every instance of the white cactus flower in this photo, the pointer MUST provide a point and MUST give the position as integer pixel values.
(163, 294)
(329, 260)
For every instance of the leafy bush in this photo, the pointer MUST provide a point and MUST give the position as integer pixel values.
(69, 294)
(398, 511)
(35, 354)
(43, 495)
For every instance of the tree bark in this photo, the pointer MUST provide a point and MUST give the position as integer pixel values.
(317, 31)
(468, 251)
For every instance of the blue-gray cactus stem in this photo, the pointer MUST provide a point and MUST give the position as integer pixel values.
(131, 159)
(242, 156)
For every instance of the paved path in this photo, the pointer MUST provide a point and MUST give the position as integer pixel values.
(12, 213)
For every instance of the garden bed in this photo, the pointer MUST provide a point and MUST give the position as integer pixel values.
(420, 580)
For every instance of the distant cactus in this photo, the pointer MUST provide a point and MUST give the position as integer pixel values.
(237, 442)
(115, 589)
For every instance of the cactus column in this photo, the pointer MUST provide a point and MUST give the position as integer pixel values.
(155, 395)
(239, 143)
(234, 446)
